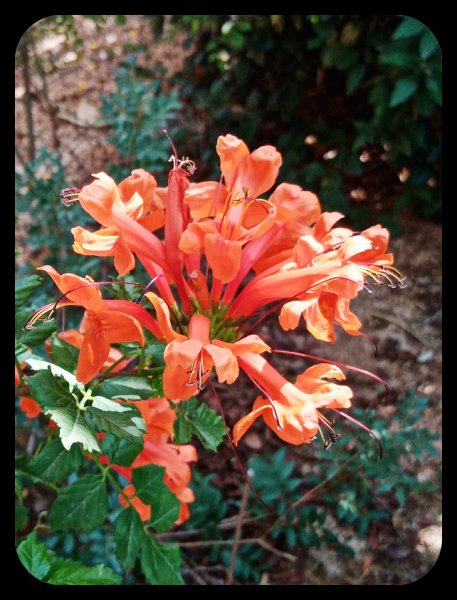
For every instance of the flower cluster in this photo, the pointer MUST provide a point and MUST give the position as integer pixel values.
(232, 252)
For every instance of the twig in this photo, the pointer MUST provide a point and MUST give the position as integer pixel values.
(224, 525)
(236, 539)
(258, 541)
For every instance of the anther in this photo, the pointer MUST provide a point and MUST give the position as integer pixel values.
(69, 196)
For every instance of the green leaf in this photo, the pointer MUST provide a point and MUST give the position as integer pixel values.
(24, 289)
(81, 506)
(20, 517)
(408, 28)
(151, 489)
(120, 424)
(37, 335)
(34, 556)
(120, 451)
(354, 78)
(129, 388)
(208, 427)
(148, 482)
(129, 536)
(428, 44)
(54, 462)
(165, 512)
(182, 426)
(47, 386)
(161, 563)
(399, 58)
(58, 402)
(73, 428)
(403, 89)
(64, 354)
(65, 571)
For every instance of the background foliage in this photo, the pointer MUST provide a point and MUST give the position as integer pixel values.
(353, 104)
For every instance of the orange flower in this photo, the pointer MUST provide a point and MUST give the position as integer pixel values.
(157, 450)
(329, 268)
(136, 196)
(291, 410)
(102, 325)
(76, 338)
(238, 214)
(30, 407)
(125, 224)
(190, 359)
(144, 510)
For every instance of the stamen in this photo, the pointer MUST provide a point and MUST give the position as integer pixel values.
(69, 196)
(364, 427)
(392, 275)
(270, 400)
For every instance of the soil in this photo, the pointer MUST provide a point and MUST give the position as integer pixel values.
(404, 323)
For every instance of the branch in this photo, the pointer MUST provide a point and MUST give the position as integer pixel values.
(258, 541)
(236, 539)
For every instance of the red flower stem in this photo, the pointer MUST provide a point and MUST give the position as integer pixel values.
(240, 464)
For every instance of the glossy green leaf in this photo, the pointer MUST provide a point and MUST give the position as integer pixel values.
(403, 90)
(120, 451)
(161, 563)
(208, 426)
(129, 536)
(428, 44)
(81, 506)
(33, 555)
(54, 462)
(129, 388)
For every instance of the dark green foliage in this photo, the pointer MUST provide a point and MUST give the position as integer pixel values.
(138, 112)
(355, 83)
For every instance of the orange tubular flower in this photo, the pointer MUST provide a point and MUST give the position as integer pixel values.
(190, 359)
(76, 338)
(136, 196)
(105, 321)
(291, 410)
(330, 267)
(239, 216)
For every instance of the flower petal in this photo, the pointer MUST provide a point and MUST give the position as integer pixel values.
(225, 363)
(224, 256)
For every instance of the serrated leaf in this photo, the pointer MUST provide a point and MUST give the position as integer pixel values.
(165, 512)
(64, 354)
(120, 451)
(120, 424)
(43, 365)
(404, 88)
(182, 428)
(161, 563)
(73, 428)
(34, 556)
(37, 335)
(24, 289)
(148, 482)
(129, 388)
(51, 385)
(208, 427)
(408, 28)
(65, 571)
(81, 506)
(129, 536)
(54, 462)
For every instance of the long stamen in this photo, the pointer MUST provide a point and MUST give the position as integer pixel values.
(63, 300)
(338, 364)
(69, 196)
(364, 427)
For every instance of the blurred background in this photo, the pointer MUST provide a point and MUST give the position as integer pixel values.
(353, 103)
